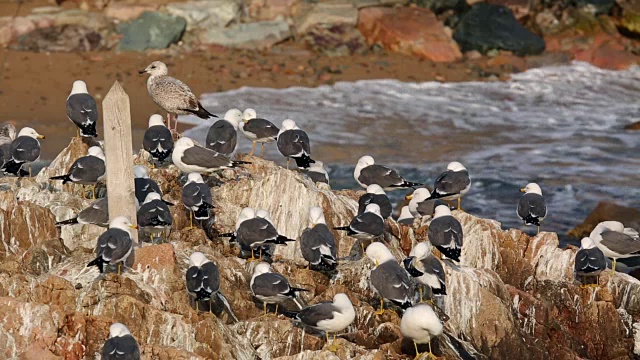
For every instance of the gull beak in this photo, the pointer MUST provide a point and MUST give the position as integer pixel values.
(313, 225)
(142, 72)
(133, 226)
(40, 136)
(377, 263)
(522, 190)
(408, 197)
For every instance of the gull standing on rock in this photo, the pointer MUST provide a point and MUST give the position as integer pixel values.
(87, 170)
(390, 281)
(327, 316)
(421, 205)
(272, 288)
(317, 243)
(82, 110)
(97, 213)
(154, 216)
(366, 226)
(445, 233)
(114, 245)
(257, 130)
(420, 324)
(293, 143)
(426, 269)
(222, 136)
(375, 195)
(532, 207)
(171, 94)
(590, 261)
(121, 345)
(191, 157)
(25, 149)
(367, 172)
(616, 241)
(452, 184)
(317, 173)
(203, 282)
(196, 197)
(157, 139)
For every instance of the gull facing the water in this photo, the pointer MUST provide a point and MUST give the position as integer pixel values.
(426, 269)
(171, 94)
(590, 261)
(222, 136)
(157, 139)
(196, 197)
(452, 184)
(317, 243)
(420, 324)
(121, 345)
(114, 245)
(532, 207)
(82, 110)
(367, 172)
(375, 195)
(445, 233)
(25, 149)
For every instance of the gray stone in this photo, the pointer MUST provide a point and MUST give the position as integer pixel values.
(151, 31)
(206, 13)
(259, 35)
(335, 12)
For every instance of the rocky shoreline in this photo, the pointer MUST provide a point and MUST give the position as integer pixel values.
(512, 296)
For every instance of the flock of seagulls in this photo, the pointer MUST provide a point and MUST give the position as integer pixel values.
(398, 285)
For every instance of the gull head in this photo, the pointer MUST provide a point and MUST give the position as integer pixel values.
(249, 114)
(261, 268)
(194, 178)
(532, 188)
(156, 120)
(455, 166)
(246, 214)
(365, 161)
(184, 142)
(375, 189)
(152, 196)
(341, 300)
(316, 216)
(441, 210)
(373, 208)
(118, 330)
(379, 253)
(587, 243)
(30, 132)
(79, 87)
(122, 223)
(421, 250)
(289, 125)
(156, 68)
(197, 259)
(318, 166)
(140, 172)
(96, 151)
(233, 116)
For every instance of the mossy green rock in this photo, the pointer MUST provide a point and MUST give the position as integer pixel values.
(151, 30)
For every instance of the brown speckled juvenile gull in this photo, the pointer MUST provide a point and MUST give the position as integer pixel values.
(171, 94)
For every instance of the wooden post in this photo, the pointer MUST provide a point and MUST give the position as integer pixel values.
(116, 116)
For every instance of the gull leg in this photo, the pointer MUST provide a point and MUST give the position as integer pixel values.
(119, 269)
(260, 258)
(264, 306)
(288, 163)
(459, 201)
(420, 291)
(333, 347)
(415, 345)
(253, 148)
(538, 229)
(78, 132)
(94, 191)
(29, 170)
(210, 307)
(381, 311)
(262, 152)
(613, 267)
(431, 353)
(276, 313)
(197, 306)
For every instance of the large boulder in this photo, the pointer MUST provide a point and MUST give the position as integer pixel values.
(257, 35)
(152, 30)
(206, 14)
(411, 31)
(606, 211)
(493, 27)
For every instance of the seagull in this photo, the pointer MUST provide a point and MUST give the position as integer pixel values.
(272, 288)
(203, 282)
(257, 130)
(420, 324)
(97, 213)
(114, 245)
(426, 269)
(317, 243)
(367, 172)
(445, 233)
(157, 139)
(293, 143)
(532, 208)
(421, 205)
(121, 345)
(390, 281)
(452, 184)
(87, 170)
(616, 241)
(7, 135)
(375, 195)
(154, 215)
(172, 95)
(143, 184)
(25, 149)
(317, 173)
(82, 110)
(590, 261)
(191, 157)
(327, 316)
(405, 218)
(366, 226)
(196, 197)
(222, 136)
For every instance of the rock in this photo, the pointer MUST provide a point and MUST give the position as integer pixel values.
(487, 27)
(151, 30)
(272, 9)
(599, 6)
(157, 257)
(520, 8)
(68, 38)
(125, 12)
(336, 12)
(36, 352)
(412, 31)
(335, 40)
(206, 14)
(263, 34)
(633, 126)
(606, 211)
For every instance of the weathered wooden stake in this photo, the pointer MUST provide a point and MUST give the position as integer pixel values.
(116, 116)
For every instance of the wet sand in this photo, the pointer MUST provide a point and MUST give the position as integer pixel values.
(34, 86)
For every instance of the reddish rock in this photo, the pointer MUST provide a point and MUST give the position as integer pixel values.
(606, 211)
(271, 9)
(633, 126)
(34, 352)
(126, 12)
(411, 31)
(157, 257)
(600, 49)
